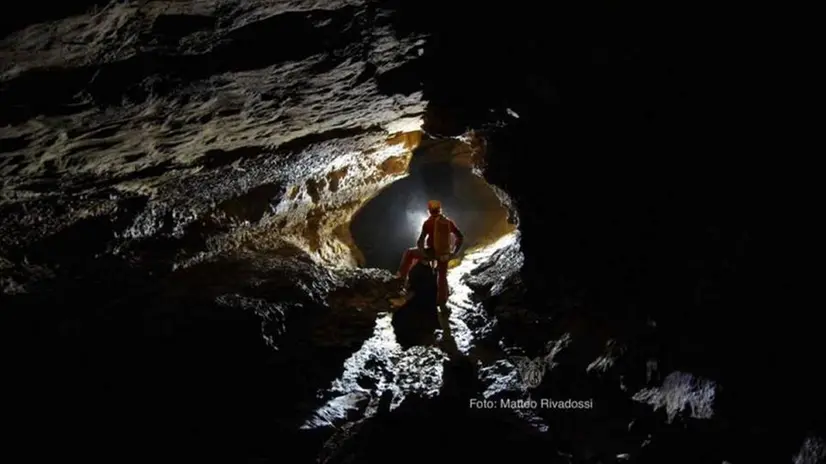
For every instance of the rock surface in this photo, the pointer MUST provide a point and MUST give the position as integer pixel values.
(179, 284)
(217, 115)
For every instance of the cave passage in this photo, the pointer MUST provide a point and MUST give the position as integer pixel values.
(391, 221)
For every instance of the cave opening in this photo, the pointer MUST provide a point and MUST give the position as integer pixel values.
(390, 222)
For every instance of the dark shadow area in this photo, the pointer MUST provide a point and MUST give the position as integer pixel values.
(144, 359)
(390, 223)
(415, 323)
(644, 210)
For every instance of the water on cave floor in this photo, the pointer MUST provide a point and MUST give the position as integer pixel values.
(382, 365)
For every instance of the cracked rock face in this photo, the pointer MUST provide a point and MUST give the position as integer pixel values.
(201, 111)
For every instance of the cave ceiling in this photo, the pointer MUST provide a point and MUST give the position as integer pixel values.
(186, 107)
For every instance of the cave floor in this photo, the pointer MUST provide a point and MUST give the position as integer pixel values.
(405, 370)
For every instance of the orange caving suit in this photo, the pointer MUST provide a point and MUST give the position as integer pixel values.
(436, 240)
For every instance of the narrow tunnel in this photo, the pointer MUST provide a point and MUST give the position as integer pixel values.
(439, 170)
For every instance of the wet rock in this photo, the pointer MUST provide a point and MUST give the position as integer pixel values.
(396, 362)
(498, 274)
(345, 409)
(501, 380)
(382, 371)
(425, 429)
(496, 283)
(812, 451)
(682, 394)
(607, 361)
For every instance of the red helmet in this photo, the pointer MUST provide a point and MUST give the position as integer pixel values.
(434, 206)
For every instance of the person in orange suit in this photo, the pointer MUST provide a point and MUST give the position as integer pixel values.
(439, 240)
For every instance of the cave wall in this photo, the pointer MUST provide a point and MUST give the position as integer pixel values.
(162, 163)
(196, 124)
(140, 136)
(652, 207)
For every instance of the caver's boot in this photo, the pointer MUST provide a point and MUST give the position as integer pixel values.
(405, 295)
